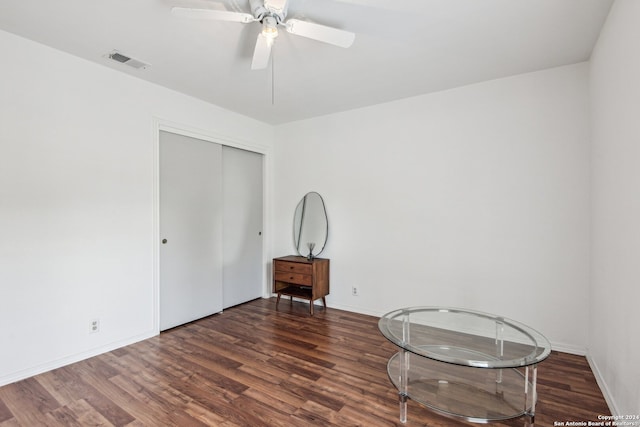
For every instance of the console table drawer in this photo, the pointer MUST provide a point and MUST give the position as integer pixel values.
(293, 267)
(289, 277)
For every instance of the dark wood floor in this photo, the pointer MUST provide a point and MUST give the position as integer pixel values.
(255, 366)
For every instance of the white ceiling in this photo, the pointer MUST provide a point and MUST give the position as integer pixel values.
(402, 48)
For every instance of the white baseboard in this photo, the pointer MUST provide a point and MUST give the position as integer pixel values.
(336, 306)
(568, 348)
(45, 367)
(358, 310)
(608, 397)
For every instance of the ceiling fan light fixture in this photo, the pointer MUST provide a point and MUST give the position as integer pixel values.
(269, 27)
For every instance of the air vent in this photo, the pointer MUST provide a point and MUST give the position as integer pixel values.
(127, 60)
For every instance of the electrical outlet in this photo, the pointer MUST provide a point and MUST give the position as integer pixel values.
(354, 291)
(94, 326)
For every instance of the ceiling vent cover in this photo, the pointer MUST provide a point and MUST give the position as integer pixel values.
(127, 60)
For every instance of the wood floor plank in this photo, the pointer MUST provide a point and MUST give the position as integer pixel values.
(157, 409)
(73, 378)
(29, 402)
(11, 422)
(5, 413)
(256, 366)
(204, 415)
(78, 414)
(57, 388)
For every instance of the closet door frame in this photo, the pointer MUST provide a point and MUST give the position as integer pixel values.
(206, 135)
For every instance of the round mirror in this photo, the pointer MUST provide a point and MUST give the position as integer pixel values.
(310, 225)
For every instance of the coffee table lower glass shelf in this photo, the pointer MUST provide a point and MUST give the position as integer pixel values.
(464, 364)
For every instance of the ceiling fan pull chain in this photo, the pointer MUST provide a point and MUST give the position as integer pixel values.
(273, 79)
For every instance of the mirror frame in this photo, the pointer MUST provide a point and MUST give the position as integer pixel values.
(298, 225)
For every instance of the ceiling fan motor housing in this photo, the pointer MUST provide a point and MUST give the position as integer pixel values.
(274, 8)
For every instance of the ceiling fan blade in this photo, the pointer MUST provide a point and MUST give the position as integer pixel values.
(217, 15)
(262, 52)
(321, 33)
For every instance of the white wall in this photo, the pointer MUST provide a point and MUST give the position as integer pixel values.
(76, 202)
(614, 344)
(475, 197)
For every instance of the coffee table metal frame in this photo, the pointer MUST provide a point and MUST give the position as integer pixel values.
(463, 339)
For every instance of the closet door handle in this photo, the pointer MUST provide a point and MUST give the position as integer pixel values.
(164, 241)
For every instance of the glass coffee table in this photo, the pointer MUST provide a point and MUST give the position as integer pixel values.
(464, 364)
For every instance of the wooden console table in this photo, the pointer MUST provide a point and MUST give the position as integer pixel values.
(298, 277)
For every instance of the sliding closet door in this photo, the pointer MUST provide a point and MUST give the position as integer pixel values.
(190, 229)
(242, 188)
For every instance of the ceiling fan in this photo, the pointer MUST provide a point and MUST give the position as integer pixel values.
(271, 14)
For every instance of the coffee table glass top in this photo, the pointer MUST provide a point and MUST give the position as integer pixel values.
(464, 337)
